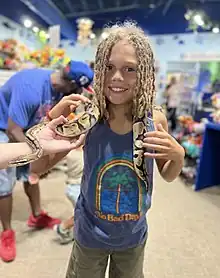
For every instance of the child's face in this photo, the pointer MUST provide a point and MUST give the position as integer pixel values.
(120, 79)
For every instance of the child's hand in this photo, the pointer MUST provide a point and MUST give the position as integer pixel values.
(66, 105)
(163, 144)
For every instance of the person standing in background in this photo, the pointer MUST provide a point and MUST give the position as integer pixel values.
(24, 100)
(172, 95)
(74, 173)
(74, 165)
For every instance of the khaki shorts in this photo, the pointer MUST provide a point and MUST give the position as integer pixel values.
(92, 263)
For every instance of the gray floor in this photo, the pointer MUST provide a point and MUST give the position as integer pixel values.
(184, 233)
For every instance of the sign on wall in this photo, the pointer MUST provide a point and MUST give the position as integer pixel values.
(200, 56)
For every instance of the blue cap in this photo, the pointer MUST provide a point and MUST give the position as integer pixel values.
(79, 72)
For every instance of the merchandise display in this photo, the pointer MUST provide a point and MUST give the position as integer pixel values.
(191, 137)
(208, 166)
(16, 56)
(48, 58)
(12, 54)
(198, 109)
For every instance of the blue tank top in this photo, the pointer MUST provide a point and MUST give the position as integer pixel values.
(111, 209)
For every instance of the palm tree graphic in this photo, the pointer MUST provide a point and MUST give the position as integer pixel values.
(119, 181)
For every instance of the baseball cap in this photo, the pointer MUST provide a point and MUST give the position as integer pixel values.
(79, 72)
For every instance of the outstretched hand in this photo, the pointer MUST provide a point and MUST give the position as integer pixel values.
(53, 143)
(163, 145)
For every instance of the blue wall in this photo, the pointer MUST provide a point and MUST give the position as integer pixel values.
(166, 47)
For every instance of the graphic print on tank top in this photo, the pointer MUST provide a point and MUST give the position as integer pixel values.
(119, 194)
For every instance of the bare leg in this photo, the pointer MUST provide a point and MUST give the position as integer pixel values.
(39, 219)
(33, 193)
(68, 224)
(6, 211)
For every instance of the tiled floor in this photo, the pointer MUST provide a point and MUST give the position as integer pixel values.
(184, 234)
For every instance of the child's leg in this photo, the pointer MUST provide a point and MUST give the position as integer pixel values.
(87, 262)
(127, 263)
(65, 234)
(68, 224)
(65, 229)
(72, 193)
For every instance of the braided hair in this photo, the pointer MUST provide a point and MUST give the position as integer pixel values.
(145, 85)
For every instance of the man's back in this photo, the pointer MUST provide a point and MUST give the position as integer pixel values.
(21, 96)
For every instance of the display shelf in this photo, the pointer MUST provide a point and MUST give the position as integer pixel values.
(5, 75)
(188, 173)
(208, 173)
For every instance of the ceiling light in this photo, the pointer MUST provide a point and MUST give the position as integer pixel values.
(27, 23)
(92, 36)
(198, 19)
(35, 29)
(215, 30)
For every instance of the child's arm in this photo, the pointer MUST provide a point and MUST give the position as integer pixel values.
(169, 154)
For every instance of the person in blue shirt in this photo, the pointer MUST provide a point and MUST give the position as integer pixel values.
(110, 222)
(24, 100)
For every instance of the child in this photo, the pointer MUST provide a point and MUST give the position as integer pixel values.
(74, 174)
(109, 218)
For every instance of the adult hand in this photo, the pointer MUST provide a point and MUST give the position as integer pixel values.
(67, 105)
(53, 143)
(163, 144)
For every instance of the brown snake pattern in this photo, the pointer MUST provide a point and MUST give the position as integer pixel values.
(72, 129)
(82, 124)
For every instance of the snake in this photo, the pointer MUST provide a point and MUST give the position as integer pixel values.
(73, 128)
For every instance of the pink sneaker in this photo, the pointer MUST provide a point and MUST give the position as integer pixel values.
(7, 246)
(43, 221)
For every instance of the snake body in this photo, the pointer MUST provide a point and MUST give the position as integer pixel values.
(82, 124)
(72, 129)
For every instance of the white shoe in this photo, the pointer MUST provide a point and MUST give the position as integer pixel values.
(66, 236)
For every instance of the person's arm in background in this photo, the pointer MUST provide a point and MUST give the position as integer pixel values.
(44, 164)
(15, 132)
(24, 103)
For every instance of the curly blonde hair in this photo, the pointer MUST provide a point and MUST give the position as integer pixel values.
(145, 87)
